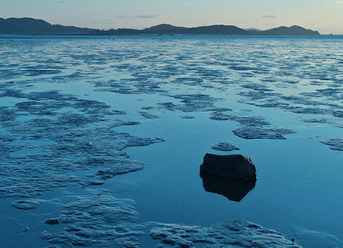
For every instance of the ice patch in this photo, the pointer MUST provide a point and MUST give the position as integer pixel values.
(147, 115)
(224, 146)
(26, 204)
(257, 132)
(231, 233)
(335, 143)
(96, 219)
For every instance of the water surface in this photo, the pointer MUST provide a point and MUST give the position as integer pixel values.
(193, 92)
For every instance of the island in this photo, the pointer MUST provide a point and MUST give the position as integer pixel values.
(31, 26)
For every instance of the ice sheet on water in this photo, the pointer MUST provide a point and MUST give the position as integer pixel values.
(314, 120)
(26, 204)
(335, 143)
(97, 219)
(186, 75)
(79, 139)
(196, 103)
(188, 117)
(147, 115)
(262, 132)
(230, 233)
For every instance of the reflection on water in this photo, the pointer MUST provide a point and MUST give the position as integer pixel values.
(233, 190)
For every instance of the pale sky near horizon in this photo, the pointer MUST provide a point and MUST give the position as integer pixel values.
(325, 16)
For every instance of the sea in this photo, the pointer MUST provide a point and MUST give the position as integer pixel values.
(102, 138)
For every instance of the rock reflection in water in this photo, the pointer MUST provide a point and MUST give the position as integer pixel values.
(233, 190)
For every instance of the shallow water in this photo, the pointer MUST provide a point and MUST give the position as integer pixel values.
(72, 107)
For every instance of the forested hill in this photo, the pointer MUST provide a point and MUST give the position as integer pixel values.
(30, 26)
(294, 30)
(34, 26)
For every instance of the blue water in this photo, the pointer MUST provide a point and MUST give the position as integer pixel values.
(286, 80)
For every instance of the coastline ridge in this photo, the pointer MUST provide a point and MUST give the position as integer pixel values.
(31, 26)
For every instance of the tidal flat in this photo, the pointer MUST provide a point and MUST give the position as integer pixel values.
(102, 137)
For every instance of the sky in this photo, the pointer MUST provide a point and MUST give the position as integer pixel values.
(325, 16)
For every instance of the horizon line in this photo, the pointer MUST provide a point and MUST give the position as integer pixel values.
(141, 29)
(208, 25)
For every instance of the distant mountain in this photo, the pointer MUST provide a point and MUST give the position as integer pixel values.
(293, 30)
(214, 29)
(164, 28)
(170, 29)
(218, 29)
(30, 26)
(34, 26)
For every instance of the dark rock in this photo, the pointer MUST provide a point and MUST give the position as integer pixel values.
(52, 221)
(232, 189)
(233, 167)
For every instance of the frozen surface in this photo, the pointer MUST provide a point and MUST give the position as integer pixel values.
(224, 146)
(79, 115)
(225, 234)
